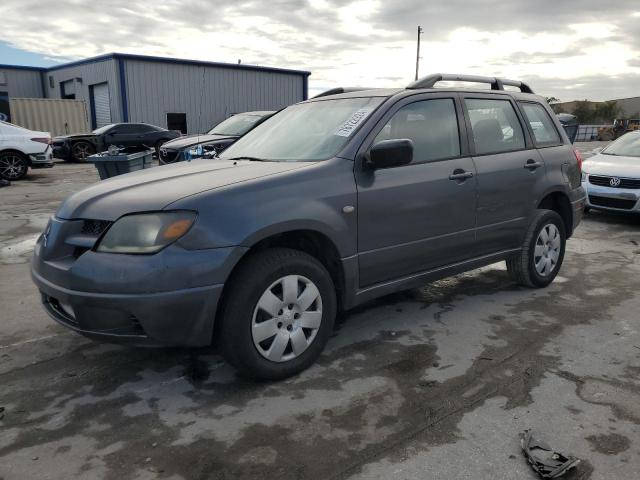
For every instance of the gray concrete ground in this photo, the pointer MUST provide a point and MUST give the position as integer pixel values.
(434, 383)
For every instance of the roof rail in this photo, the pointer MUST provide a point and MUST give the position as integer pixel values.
(495, 82)
(336, 91)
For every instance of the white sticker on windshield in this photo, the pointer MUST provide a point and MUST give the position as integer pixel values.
(350, 125)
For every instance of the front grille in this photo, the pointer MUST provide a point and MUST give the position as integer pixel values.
(604, 181)
(169, 156)
(94, 227)
(620, 203)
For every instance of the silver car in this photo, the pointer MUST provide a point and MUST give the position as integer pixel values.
(612, 177)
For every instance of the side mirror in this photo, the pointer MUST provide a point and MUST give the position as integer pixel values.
(391, 153)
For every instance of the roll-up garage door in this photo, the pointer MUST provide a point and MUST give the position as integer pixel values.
(101, 104)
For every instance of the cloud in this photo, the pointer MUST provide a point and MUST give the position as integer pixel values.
(563, 45)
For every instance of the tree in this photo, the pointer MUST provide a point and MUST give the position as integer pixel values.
(584, 111)
(551, 100)
(606, 112)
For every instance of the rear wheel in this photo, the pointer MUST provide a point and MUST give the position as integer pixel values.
(13, 165)
(540, 259)
(278, 315)
(80, 151)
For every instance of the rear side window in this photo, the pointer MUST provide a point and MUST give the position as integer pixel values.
(432, 125)
(541, 124)
(495, 126)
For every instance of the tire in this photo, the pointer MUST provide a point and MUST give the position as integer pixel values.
(13, 165)
(157, 146)
(249, 334)
(81, 150)
(522, 267)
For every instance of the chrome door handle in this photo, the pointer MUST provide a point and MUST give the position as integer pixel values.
(459, 174)
(532, 164)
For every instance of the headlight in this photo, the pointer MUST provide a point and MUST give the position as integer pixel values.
(146, 232)
(584, 176)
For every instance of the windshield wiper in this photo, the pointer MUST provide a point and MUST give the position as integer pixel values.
(251, 159)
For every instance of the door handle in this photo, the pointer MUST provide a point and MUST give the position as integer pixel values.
(532, 164)
(460, 175)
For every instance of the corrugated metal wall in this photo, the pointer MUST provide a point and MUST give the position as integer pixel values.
(90, 74)
(207, 94)
(22, 83)
(59, 117)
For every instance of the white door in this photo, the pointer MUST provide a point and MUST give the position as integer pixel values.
(101, 104)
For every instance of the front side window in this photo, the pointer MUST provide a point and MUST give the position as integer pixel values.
(104, 129)
(432, 126)
(541, 124)
(495, 126)
(305, 132)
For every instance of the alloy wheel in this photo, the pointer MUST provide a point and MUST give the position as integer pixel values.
(287, 318)
(547, 250)
(81, 151)
(12, 167)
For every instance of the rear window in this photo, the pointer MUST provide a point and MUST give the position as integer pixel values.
(495, 126)
(544, 131)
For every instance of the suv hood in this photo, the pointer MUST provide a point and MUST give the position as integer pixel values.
(183, 142)
(613, 166)
(155, 188)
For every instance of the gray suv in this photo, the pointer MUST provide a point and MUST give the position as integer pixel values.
(329, 203)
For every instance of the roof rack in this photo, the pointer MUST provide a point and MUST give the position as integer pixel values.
(336, 91)
(495, 82)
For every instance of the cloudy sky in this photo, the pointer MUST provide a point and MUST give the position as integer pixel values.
(570, 49)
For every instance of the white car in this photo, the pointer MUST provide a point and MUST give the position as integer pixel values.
(20, 149)
(612, 177)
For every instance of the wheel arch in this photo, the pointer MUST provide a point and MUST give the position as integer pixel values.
(310, 241)
(17, 152)
(559, 202)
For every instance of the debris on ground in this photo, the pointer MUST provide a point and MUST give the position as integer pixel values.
(543, 459)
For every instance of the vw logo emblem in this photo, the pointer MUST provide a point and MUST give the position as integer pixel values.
(614, 182)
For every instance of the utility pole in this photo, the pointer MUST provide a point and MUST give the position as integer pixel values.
(418, 52)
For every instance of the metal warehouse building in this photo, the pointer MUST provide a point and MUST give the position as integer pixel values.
(186, 95)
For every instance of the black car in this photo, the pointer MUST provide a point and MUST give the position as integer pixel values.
(212, 142)
(79, 146)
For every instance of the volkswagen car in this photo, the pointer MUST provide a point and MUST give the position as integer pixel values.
(612, 177)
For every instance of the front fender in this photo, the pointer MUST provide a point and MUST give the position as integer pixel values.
(311, 198)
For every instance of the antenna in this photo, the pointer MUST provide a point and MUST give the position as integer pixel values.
(418, 51)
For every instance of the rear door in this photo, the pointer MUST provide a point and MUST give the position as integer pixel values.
(420, 216)
(509, 169)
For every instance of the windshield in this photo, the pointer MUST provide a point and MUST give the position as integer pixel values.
(103, 129)
(236, 125)
(627, 145)
(306, 131)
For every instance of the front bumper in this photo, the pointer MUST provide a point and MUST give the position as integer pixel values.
(612, 198)
(41, 160)
(168, 298)
(180, 317)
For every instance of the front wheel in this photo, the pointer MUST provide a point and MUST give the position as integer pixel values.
(80, 151)
(541, 255)
(278, 314)
(13, 166)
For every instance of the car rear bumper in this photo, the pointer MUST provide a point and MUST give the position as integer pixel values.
(578, 202)
(612, 198)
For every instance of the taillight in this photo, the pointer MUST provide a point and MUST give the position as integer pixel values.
(578, 158)
(46, 140)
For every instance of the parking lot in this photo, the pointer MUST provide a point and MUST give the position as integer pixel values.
(433, 383)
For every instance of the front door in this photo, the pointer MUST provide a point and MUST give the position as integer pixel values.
(419, 216)
(508, 167)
